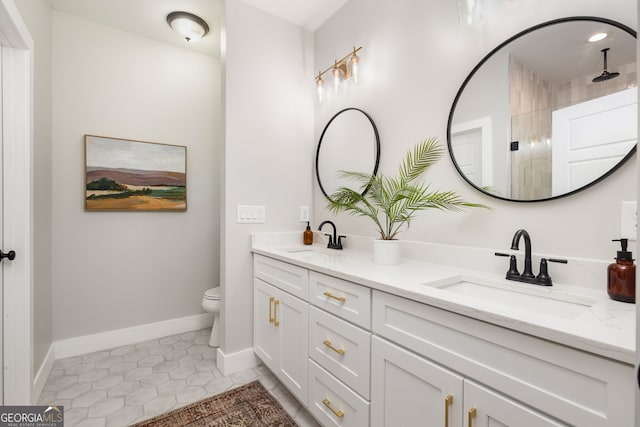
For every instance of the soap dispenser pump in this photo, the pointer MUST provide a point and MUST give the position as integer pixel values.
(621, 275)
(307, 236)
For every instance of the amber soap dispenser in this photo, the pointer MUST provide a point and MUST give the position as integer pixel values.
(622, 275)
(307, 236)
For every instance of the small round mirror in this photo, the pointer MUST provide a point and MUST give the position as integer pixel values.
(349, 142)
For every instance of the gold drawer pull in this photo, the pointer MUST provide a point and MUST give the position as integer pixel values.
(271, 299)
(338, 414)
(330, 295)
(275, 313)
(447, 402)
(340, 351)
(472, 414)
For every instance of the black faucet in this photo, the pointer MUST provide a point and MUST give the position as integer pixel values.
(335, 242)
(527, 275)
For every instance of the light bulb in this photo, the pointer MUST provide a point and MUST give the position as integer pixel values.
(355, 69)
(319, 87)
(336, 78)
(469, 11)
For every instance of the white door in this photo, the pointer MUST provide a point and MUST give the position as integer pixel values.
(467, 147)
(471, 143)
(17, 214)
(1, 240)
(589, 138)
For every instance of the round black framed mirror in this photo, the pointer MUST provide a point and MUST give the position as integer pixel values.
(547, 113)
(349, 142)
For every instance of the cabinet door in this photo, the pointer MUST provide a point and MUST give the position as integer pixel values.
(495, 410)
(292, 319)
(280, 327)
(266, 341)
(408, 390)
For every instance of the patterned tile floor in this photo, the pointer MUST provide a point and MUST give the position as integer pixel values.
(128, 384)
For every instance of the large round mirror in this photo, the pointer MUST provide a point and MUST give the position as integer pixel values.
(549, 112)
(349, 142)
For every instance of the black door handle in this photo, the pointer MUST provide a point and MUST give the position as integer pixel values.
(11, 255)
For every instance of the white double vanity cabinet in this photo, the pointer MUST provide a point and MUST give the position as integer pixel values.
(357, 351)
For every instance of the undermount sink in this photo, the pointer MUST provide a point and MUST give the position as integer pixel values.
(303, 251)
(538, 299)
(313, 254)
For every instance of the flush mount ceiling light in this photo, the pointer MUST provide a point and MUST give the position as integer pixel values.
(189, 26)
(342, 70)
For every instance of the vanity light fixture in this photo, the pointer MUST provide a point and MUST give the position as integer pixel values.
(344, 69)
(189, 26)
(597, 37)
(469, 11)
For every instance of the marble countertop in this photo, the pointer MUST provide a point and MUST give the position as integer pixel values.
(574, 316)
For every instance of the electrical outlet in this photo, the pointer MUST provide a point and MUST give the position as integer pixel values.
(304, 213)
(629, 220)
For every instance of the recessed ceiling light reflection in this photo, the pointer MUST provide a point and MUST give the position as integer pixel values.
(597, 37)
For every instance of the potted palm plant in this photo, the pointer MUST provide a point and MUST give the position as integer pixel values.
(392, 202)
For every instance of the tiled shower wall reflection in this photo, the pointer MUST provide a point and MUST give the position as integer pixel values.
(530, 107)
(583, 88)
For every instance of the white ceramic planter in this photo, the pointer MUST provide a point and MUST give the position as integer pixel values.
(386, 252)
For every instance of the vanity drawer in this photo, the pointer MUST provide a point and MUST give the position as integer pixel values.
(288, 277)
(344, 299)
(341, 348)
(332, 403)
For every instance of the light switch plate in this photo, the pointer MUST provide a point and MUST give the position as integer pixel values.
(251, 214)
(629, 220)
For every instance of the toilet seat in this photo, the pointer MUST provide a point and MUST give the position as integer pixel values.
(212, 293)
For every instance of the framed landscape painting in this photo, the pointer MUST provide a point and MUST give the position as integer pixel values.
(128, 175)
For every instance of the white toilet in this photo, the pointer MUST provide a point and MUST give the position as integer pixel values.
(211, 304)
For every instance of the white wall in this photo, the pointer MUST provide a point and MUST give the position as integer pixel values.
(416, 55)
(37, 16)
(268, 146)
(114, 270)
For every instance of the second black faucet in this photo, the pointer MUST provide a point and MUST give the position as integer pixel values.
(527, 275)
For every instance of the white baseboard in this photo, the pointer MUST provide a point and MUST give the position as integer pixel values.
(235, 362)
(119, 337)
(42, 375)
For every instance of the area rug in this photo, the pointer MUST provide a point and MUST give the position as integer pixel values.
(247, 405)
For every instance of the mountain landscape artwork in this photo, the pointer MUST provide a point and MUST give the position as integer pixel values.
(122, 174)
